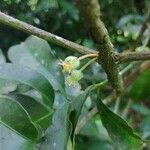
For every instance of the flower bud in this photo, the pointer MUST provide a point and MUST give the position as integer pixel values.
(74, 78)
(70, 63)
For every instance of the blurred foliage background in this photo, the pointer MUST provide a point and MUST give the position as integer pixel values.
(123, 19)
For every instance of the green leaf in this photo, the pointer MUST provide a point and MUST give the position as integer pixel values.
(10, 140)
(29, 77)
(36, 54)
(118, 129)
(14, 116)
(57, 136)
(140, 89)
(76, 108)
(39, 114)
(95, 128)
(5, 86)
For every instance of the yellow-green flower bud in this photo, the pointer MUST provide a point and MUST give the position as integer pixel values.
(74, 78)
(70, 63)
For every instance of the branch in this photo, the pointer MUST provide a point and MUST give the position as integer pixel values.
(27, 28)
(128, 80)
(133, 56)
(90, 10)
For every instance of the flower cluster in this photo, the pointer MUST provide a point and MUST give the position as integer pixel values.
(70, 65)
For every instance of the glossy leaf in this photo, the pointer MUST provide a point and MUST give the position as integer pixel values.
(29, 77)
(95, 128)
(57, 136)
(140, 89)
(76, 108)
(14, 116)
(36, 54)
(39, 114)
(5, 86)
(10, 140)
(118, 129)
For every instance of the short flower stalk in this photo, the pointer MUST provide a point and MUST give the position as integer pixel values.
(70, 68)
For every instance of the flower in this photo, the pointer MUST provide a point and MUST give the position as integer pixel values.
(70, 63)
(74, 77)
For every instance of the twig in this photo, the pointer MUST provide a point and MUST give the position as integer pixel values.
(133, 56)
(98, 85)
(126, 110)
(90, 10)
(27, 28)
(126, 69)
(87, 64)
(87, 56)
(144, 66)
(107, 100)
(117, 104)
